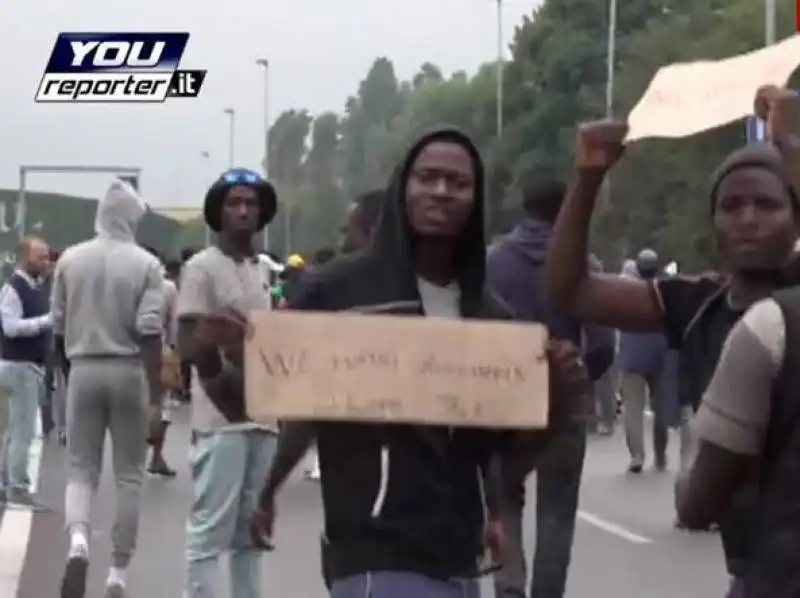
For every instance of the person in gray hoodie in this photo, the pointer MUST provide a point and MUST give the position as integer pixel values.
(107, 305)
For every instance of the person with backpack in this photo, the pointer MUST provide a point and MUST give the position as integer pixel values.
(754, 211)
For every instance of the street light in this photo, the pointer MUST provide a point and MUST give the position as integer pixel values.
(770, 21)
(232, 135)
(264, 64)
(611, 56)
(499, 98)
(206, 157)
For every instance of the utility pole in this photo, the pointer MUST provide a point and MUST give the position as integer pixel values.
(231, 136)
(770, 21)
(264, 64)
(500, 65)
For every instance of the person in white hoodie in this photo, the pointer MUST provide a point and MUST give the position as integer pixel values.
(107, 305)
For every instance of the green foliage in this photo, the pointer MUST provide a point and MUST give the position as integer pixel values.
(556, 78)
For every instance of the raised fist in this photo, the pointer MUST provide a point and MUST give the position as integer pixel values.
(599, 144)
(776, 105)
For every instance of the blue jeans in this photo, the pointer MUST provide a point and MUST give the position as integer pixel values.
(20, 386)
(228, 470)
(402, 584)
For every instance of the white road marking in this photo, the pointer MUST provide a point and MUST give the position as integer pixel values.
(15, 528)
(612, 528)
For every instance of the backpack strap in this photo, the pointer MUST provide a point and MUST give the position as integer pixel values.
(704, 307)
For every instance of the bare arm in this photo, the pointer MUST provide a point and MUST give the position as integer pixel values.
(293, 442)
(295, 437)
(608, 300)
(223, 382)
(149, 327)
(602, 299)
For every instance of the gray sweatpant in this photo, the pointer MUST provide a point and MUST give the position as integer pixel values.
(106, 395)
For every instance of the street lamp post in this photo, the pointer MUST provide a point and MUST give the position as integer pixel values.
(500, 65)
(611, 57)
(206, 157)
(770, 21)
(231, 136)
(264, 64)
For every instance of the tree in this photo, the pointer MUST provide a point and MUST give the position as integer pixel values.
(556, 78)
(365, 126)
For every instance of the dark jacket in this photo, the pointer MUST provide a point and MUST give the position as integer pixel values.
(515, 272)
(396, 496)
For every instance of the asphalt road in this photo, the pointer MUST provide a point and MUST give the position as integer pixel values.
(625, 545)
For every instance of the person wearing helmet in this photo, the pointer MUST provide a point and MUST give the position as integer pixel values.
(641, 360)
(231, 454)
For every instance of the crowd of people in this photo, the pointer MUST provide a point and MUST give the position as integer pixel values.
(106, 337)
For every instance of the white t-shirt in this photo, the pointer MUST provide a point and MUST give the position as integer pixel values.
(438, 301)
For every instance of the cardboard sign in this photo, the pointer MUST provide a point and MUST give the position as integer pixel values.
(688, 98)
(350, 367)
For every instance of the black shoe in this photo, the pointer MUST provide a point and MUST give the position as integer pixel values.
(635, 467)
(74, 583)
(661, 463)
(161, 469)
(23, 500)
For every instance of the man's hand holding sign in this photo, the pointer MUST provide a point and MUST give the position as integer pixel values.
(688, 98)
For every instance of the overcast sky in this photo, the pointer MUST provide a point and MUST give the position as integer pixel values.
(319, 50)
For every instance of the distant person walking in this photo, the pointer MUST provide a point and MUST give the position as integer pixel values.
(641, 360)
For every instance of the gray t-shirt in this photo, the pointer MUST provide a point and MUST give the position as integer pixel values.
(211, 281)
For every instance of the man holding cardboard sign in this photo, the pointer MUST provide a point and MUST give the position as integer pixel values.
(755, 208)
(404, 503)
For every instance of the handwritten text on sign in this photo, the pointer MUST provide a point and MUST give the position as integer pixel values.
(688, 98)
(396, 369)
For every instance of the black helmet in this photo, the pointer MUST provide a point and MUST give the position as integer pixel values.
(239, 177)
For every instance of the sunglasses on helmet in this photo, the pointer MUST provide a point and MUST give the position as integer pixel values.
(241, 176)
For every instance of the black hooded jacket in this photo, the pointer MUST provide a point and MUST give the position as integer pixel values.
(403, 497)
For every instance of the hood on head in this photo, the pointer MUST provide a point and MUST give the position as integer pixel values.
(393, 237)
(119, 212)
